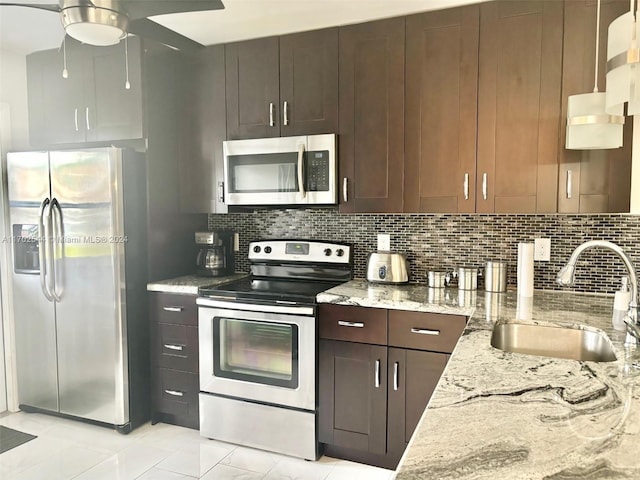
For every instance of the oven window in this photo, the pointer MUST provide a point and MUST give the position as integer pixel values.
(256, 351)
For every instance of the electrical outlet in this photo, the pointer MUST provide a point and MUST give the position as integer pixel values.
(384, 242)
(542, 249)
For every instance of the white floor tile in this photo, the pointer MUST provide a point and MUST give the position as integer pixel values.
(170, 437)
(127, 464)
(254, 460)
(30, 454)
(91, 436)
(196, 460)
(159, 474)
(66, 463)
(356, 471)
(224, 472)
(297, 469)
(33, 423)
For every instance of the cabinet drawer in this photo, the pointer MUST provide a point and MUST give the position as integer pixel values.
(425, 331)
(176, 347)
(353, 324)
(175, 397)
(172, 308)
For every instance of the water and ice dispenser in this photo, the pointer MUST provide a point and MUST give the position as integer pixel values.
(26, 251)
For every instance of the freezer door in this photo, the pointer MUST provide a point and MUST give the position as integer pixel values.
(35, 323)
(91, 336)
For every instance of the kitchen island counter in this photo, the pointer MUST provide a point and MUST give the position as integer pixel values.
(498, 415)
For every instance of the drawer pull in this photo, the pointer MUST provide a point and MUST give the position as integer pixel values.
(172, 309)
(175, 393)
(173, 347)
(376, 380)
(343, 323)
(395, 375)
(425, 331)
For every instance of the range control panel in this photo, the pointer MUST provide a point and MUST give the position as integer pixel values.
(300, 251)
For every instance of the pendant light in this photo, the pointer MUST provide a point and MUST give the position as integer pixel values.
(589, 125)
(623, 71)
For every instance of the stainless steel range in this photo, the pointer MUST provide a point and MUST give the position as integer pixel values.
(258, 347)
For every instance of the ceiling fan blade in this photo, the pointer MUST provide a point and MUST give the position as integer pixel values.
(144, 8)
(146, 28)
(51, 7)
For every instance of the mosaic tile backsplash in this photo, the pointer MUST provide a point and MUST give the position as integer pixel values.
(444, 242)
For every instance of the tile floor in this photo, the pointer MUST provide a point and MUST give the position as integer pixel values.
(67, 449)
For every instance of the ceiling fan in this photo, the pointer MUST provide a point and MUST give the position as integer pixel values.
(106, 22)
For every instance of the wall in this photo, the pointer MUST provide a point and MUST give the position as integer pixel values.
(13, 91)
(447, 241)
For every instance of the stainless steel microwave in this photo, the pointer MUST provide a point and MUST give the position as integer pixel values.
(281, 171)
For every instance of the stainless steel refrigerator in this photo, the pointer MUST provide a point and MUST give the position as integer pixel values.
(78, 220)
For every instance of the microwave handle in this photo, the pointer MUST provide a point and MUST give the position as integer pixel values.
(301, 170)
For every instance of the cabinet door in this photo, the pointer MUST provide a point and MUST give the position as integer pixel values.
(56, 104)
(519, 106)
(413, 376)
(441, 111)
(112, 112)
(309, 83)
(591, 181)
(371, 114)
(253, 93)
(353, 395)
(203, 129)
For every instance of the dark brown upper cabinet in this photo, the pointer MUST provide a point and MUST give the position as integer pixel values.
(441, 111)
(591, 181)
(371, 118)
(520, 77)
(283, 86)
(92, 104)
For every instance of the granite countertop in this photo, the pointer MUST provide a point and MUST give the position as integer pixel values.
(498, 415)
(190, 284)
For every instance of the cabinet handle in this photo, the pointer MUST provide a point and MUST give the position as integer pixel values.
(466, 186)
(221, 192)
(271, 122)
(484, 186)
(173, 347)
(345, 191)
(343, 323)
(395, 376)
(285, 109)
(75, 118)
(377, 374)
(425, 331)
(569, 184)
(175, 393)
(86, 117)
(172, 309)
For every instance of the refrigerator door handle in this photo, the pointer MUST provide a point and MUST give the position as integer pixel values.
(42, 249)
(59, 243)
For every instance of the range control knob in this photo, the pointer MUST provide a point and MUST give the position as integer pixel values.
(256, 249)
(267, 249)
(327, 252)
(340, 252)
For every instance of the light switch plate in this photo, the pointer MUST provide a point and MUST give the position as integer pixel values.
(384, 242)
(542, 249)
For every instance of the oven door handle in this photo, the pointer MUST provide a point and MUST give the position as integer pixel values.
(257, 307)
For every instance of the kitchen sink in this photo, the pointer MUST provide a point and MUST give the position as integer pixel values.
(553, 341)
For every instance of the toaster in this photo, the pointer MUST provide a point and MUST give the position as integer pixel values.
(387, 267)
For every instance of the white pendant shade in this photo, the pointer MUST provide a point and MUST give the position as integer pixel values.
(589, 127)
(623, 76)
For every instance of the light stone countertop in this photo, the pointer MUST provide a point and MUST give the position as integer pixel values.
(498, 415)
(189, 284)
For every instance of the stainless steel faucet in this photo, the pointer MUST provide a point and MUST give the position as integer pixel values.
(566, 277)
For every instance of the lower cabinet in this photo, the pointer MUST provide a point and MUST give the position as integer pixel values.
(174, 359)
(377, 371)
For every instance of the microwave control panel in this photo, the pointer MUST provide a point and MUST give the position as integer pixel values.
(317, 171)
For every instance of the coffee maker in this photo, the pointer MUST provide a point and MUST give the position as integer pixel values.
(215, 253)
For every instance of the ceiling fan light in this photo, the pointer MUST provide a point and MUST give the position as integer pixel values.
(94, 26)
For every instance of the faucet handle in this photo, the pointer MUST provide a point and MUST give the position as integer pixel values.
(632, 328)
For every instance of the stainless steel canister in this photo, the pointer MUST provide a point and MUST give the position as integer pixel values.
(495, 277)
(467, 278)
(438, 279)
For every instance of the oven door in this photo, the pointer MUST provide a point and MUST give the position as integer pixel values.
(264, 356)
